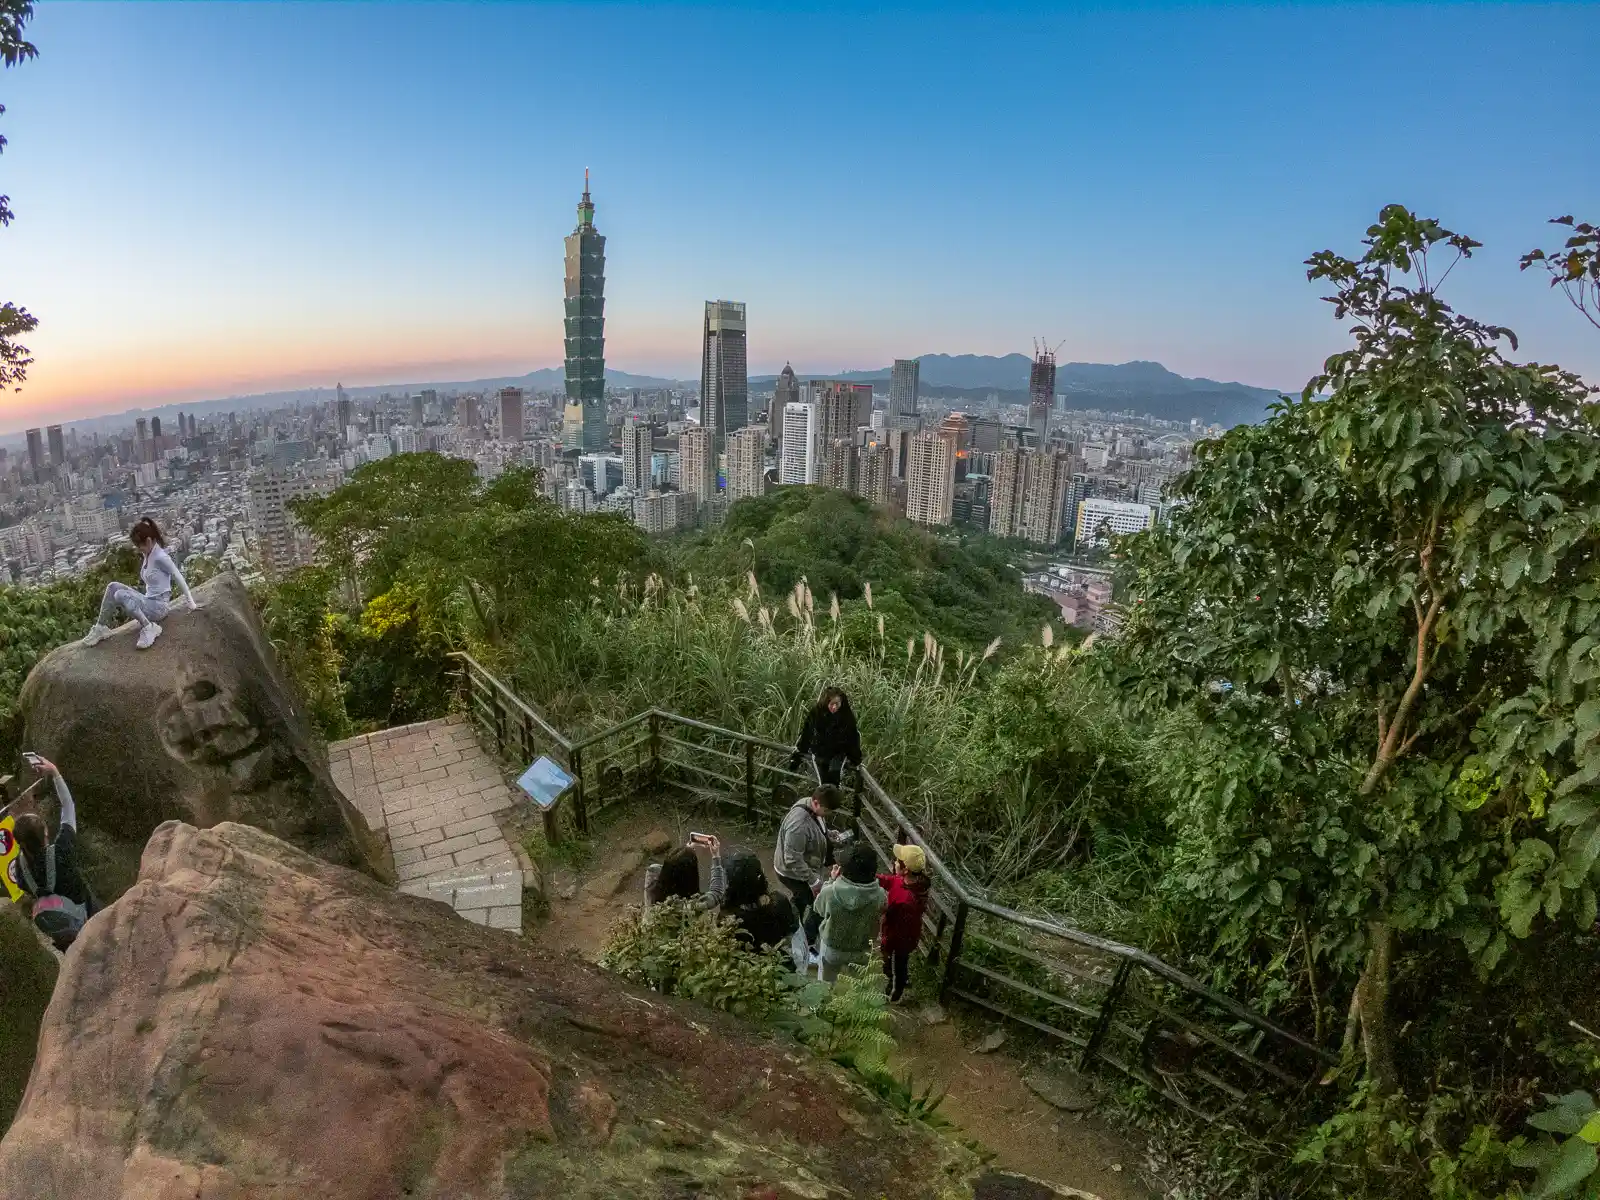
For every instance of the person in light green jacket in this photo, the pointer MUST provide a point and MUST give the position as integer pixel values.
(851, 907)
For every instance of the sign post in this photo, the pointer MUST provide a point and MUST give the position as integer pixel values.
(545, 782)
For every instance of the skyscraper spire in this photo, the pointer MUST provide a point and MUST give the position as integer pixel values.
(586, 205)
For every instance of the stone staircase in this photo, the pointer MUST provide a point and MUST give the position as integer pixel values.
(439, 796)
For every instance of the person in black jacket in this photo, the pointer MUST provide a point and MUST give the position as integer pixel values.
(830, 735)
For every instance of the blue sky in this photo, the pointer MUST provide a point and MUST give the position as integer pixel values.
(218, 198)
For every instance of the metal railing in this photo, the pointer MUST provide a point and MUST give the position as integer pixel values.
(1114, 1004)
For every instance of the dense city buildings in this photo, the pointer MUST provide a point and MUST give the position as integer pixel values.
(931, 477)
(842, 408)
(747, 466)
(724, 380)
(903, 387)
(585, 421)
(282, 542)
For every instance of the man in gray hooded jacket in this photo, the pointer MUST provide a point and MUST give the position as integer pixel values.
(800, 859)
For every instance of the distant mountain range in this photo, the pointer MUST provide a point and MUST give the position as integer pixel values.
(1139, 387)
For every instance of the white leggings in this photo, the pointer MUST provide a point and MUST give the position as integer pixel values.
(132, 602)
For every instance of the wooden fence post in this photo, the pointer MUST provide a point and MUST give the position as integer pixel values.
(957, 934)
(1102, 1025)
(655, 755)
(750, 782)
(580, 809)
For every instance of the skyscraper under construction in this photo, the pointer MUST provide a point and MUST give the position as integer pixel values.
(586, 329)
(1041, 389)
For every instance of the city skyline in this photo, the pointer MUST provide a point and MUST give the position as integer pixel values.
(220, 229)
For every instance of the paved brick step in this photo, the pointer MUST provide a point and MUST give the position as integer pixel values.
(435, 793)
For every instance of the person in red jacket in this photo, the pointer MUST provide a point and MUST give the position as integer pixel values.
(902, 916)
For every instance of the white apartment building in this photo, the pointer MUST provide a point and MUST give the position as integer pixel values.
(1118, 516)
(797, 455)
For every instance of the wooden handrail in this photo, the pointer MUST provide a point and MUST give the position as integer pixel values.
(966, 898)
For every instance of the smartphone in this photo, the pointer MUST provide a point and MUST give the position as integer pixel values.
(32, 759)
(703, 839)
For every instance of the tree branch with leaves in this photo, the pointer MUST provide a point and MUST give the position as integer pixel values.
(15, 322)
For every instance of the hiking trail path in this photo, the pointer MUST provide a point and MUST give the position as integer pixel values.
(455, 827)
(986, 1098)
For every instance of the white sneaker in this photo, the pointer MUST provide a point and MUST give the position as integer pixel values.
(814, 960)
(148, 636)
(97, 634)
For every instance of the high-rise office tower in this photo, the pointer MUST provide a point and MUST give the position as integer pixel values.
(511, 414)
(931, 478)
(155, 431)
(35, 453)
(416, 412)
(797, 452)
(785, 392)
(724, 381)
(874, 473)
(637, 443)
(747, 462)
(699, 465)
(903, 387)
(1041, 390)
(58, 446)
(586, 328)
(430, 400)
(143, 427)
(341, 407)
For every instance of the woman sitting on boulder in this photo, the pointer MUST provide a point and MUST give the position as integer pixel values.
(159, 573)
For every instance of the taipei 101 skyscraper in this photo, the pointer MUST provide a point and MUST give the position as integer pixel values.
(584, 426)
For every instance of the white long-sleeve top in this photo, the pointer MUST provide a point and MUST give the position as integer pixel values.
(159, 572)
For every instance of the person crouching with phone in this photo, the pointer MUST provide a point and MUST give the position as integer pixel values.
(678, 875)
(58, 897)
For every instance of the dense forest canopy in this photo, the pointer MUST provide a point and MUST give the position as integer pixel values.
(963, 588)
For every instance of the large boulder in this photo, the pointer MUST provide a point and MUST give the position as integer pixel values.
(27, 975)
(247, 1021)
(201, 727)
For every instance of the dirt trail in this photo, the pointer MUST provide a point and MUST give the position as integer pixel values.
(986, 1099)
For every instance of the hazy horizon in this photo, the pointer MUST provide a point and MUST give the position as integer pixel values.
(222, 200)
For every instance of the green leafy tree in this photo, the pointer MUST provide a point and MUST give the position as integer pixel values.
(1381, 605)
(1574, 267)
(15, 322)
(422, 558)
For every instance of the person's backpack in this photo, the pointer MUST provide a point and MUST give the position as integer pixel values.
(58, 918)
